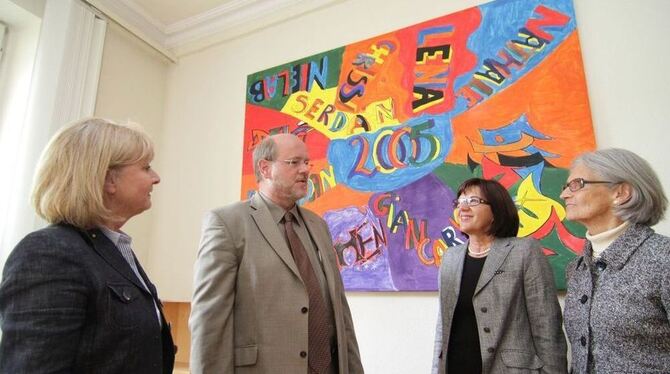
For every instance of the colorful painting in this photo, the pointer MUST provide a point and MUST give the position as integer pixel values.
(396, 122)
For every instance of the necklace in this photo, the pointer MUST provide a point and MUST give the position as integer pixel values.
(479, 254)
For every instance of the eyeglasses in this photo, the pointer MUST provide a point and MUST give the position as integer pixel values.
(579, 183)
(296, 162)
(469, 201)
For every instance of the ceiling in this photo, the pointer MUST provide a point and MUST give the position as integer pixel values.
(180, 27)
(171, 11)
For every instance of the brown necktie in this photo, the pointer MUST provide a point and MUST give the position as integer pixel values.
(319, 328)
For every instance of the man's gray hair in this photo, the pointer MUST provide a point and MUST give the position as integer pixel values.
(265, 150)
(648, 202)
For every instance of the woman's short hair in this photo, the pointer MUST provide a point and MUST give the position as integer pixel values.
(648, 202)
(70, 178)
(265, 150)
(505, 215)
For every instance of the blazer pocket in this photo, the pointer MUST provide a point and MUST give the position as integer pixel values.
(507, 273)
(521, 359)
(121, 304)
(245, 356)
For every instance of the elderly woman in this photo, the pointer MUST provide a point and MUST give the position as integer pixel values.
(616, 308)
(499, 312)
(74, 298)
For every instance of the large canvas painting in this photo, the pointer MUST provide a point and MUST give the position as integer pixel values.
(396, 122)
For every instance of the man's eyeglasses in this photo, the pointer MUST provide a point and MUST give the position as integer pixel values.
(469, 201)
(296, 162)
(579, 183)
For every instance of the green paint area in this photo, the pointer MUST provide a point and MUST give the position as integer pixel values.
(551, 182)
(453, 175)
(561, 258)
(271, 88)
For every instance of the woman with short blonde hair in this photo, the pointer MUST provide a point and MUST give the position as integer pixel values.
(69, 182)
(73, 297)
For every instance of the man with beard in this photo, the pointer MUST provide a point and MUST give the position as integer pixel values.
(268, 297)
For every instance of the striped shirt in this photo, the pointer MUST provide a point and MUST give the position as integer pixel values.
(123, 243)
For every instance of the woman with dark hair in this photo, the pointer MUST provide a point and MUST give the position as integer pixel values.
(499, 311)
(616, 308)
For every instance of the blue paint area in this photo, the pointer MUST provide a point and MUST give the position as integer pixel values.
(501, 22)
(533, 149)
(512, 133)
(535, 171)
(425, 134)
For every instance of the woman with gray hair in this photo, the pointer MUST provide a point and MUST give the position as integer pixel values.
(616, 307)
(74, 298)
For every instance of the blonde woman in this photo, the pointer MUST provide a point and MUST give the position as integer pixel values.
(74, 298)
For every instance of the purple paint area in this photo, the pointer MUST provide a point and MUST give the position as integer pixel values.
(361, 248)
(425, 205)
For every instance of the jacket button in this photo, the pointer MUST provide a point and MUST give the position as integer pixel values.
(486, 329)
(126, 296)
(303, 354)
(484, 310)
(583, 341)
(304, 310)
(490, 350)
(584, 299)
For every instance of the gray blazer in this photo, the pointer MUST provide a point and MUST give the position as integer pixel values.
(620, 313)
(516, 306)
(249, 310)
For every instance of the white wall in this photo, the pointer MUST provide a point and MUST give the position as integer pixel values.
(36, 7)
(16, 66)
(201, 141)
(624, 60)
(132, 87)
(60, 79)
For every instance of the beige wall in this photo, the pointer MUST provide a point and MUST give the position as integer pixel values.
(16, 66)
(132, 87)
(199, 126)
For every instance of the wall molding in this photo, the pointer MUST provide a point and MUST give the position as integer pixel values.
(231, 19)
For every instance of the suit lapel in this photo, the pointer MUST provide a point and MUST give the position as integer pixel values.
(499, 251)
(154, 293)
(108, 251)
(451, 280)
(625, 245)
(268, 228)
(146, 280)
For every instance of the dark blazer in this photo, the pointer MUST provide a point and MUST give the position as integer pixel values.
(617, 309)
(70, 303)
(516, 307)
(249, 310)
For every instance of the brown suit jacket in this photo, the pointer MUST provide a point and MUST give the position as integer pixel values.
(247, 310)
